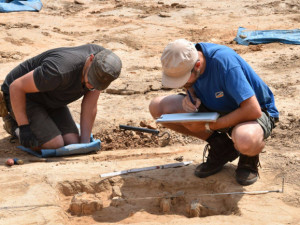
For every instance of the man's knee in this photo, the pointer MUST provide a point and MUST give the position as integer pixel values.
(71, 138)
(60, 141)
(54, 143)
(166, 105)
(248, 142)
(154, 107)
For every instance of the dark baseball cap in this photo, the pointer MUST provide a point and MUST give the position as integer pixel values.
(106, 67)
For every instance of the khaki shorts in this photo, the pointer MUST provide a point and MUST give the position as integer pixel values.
(47, 123)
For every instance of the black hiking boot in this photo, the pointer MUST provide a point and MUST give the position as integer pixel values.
(220, 151)
(247, 170)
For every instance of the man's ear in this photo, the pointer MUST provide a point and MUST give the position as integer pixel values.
(198, 64)
(91, 57)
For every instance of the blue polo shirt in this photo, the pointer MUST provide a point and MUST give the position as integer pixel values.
(228, 80)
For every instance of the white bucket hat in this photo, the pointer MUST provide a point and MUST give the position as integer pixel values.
(178, 59)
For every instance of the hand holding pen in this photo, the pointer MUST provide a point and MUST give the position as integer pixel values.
(191, 103)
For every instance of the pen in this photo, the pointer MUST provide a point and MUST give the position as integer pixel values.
(191, 98)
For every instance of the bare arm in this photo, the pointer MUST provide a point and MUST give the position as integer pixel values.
(88, 114)
(249, 110)
(17, 92)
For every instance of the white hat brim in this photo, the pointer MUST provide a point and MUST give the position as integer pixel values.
(175, 82)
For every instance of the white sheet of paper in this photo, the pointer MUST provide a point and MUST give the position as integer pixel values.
(188, 117)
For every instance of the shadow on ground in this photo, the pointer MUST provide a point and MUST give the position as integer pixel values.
(159, 192)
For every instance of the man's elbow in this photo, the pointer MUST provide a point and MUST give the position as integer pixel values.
(15, 87)
(253, 113)
(252, 108)
(257, 113)
(12, 88)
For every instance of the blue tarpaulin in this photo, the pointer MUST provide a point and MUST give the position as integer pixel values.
(73, 149)
(15, 6)
(246, 37)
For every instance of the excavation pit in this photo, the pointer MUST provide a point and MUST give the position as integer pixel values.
(118, 198)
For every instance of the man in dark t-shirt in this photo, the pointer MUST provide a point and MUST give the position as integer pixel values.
(38, 91)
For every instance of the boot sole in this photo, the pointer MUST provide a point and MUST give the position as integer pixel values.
(247, 182)
(207, 174)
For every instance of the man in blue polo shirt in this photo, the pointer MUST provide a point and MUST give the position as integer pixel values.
(218, 80)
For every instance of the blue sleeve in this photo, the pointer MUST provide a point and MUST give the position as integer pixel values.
(237, 85)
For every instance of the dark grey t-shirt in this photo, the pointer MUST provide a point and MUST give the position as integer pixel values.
(57, 75)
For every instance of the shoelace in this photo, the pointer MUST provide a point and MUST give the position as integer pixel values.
(250, 163)
(212, 154)
(206, 149)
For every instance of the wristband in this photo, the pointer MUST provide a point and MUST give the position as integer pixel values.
(207, 128)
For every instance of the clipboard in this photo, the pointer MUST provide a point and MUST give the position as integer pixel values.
(188, 117)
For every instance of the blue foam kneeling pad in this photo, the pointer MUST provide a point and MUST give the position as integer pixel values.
(15, 6)
(72, 149)
(246, 37)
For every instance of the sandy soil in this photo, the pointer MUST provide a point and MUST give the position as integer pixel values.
(70, 191)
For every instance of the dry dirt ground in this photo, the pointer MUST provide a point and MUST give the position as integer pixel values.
(69, 190)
